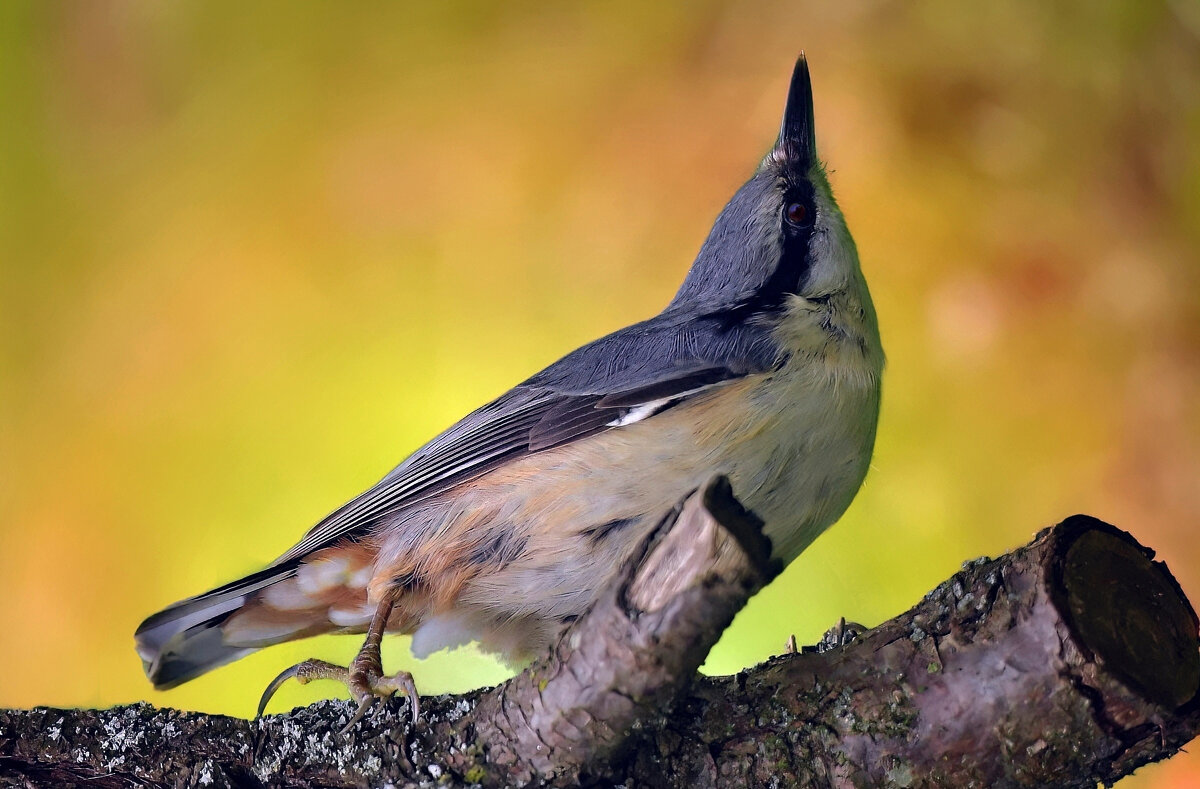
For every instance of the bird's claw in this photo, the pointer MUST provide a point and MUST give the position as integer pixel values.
(303, 672)
(364, 679)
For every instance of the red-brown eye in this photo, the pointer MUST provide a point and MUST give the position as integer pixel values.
(797, 214)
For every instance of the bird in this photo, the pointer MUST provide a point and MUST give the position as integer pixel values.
(764, 367)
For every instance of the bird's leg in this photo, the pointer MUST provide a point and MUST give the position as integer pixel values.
(364, 677)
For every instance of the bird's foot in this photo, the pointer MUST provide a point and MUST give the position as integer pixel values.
(364, 678)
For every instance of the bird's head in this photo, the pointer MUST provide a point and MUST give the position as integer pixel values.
(782, 235)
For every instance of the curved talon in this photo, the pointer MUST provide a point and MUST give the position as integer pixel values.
(363, 706)
(402, 682)
(283, 677)
(303, 672)
(373, 685)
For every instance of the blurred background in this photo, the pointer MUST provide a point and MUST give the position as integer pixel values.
(250, 257)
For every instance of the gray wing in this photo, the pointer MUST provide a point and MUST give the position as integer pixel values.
(652, 365)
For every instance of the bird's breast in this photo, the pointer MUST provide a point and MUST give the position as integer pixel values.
(809, 447)
(509, 557)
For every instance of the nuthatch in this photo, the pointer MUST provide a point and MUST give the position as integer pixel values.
(764, 367)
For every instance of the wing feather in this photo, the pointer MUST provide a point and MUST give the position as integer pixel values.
(652, 365)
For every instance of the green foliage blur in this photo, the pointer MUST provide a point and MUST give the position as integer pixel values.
(251, 255)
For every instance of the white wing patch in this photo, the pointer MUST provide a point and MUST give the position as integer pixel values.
(649, 409)
(643, 411)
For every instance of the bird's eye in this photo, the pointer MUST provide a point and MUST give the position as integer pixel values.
(797, 215)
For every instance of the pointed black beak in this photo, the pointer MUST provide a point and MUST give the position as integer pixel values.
(797, 135)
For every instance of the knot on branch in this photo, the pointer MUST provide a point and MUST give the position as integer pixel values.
(623, 663)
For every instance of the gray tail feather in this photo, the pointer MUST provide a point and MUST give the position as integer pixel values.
(184, 640)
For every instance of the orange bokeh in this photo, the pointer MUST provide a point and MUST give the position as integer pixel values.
(251, 256)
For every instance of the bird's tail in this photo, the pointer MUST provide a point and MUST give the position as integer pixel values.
(307, 595)
(188, 638)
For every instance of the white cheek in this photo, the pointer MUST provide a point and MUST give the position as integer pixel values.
(832, 254)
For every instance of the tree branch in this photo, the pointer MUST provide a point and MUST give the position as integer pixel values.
(1070, 661)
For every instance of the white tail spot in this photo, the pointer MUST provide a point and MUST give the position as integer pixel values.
(324, 574)
(287, 596)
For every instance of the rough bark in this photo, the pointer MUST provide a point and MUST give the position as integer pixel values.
(1068, 662)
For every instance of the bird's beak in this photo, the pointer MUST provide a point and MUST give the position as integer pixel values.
(797, 135)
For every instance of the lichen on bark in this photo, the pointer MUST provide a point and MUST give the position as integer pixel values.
(1010, 673)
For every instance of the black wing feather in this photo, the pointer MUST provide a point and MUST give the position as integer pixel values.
(571, 418)
(665, 389)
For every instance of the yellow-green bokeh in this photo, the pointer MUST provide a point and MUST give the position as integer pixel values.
(251, 255)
